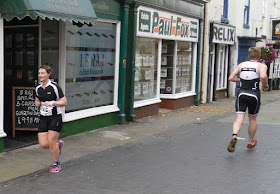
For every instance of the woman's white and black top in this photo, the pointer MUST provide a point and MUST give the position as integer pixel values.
(249, 77)
(52, 92)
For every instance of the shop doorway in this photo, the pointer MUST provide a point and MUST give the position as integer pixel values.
(20, 64)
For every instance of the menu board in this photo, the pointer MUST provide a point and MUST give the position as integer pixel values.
(26, 115)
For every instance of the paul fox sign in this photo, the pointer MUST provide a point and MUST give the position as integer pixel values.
(159, 24)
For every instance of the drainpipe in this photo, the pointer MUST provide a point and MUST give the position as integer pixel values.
(123, 56)
(202, 59)
(131, 47)
(197, 97)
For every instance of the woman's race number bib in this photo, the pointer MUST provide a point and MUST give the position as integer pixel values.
(46, 110)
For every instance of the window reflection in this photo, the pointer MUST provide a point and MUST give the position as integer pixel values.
(19, 40)
(146, 69)
(30, 40)
(90, 65)
(50, 46)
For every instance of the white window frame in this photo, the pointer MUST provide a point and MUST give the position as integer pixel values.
(2, 133)
(188, 93)
(67, 117)
(156, 99)
(222, 66)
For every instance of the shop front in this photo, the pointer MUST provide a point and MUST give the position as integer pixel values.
(222, 37)
(82, 50)
(276, 65)
(165, 60)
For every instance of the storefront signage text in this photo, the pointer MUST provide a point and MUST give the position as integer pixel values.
(90, 64)
(64, 5)
(222, 34)
(103, 6)
(158, 24)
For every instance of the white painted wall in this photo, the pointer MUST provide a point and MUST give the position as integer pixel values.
(262, 12)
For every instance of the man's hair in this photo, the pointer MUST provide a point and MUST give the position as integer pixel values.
(47, 68)
(254, 52)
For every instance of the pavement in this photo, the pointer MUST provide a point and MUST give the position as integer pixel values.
(33, 159)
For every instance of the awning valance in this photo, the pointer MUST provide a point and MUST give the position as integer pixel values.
(65, 10)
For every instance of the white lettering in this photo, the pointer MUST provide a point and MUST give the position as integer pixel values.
(144, 27)
(144, 16)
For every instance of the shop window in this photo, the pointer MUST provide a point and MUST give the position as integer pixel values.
(146, 69)
(176, 67)
(224, 18)
(184, 67)
(246, 14)
(50, 46)
(222, 70)
(90, 65)
(167, 66)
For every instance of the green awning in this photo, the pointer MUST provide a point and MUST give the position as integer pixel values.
(65, 10)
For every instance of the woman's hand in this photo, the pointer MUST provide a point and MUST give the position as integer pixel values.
(37, 102)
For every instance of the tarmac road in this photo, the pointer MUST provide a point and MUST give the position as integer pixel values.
(184, 158)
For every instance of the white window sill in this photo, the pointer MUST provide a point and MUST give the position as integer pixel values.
(146, 102)
(222, 88)
(2, 133)
(177, 96)
(89, 113)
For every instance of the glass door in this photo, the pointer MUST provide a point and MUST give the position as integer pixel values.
(21, 56)
(20, 64)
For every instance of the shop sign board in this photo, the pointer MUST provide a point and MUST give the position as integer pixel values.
(159, 24)
(222, 34)
(276, 30)
(26, 115)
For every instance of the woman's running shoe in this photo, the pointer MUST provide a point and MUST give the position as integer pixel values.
(55, 168)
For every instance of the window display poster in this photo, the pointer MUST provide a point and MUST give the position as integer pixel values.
(164, 60)
(148, 74)
(145, 88)
(162, 84)
(163, 72)
(137, 89)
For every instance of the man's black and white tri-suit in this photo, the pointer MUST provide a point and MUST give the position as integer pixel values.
(248, 95)
(50, 117)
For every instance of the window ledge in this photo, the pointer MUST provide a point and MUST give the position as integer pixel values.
(224, 20)
(246, 26)
(89, 113)
(177, 96)
(146, 102)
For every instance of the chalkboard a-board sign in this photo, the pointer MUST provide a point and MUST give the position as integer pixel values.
(26, 115)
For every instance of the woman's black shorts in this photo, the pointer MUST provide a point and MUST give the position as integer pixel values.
(53, 123)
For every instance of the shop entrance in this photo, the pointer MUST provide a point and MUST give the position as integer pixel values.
(20, 63)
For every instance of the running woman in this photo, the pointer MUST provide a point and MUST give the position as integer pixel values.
(49, 97)
(248, 95)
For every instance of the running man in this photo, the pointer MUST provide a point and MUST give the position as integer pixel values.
(49, 97)
(248, 95)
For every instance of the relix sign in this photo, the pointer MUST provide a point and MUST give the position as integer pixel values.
(158, 24)
(222, 34)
